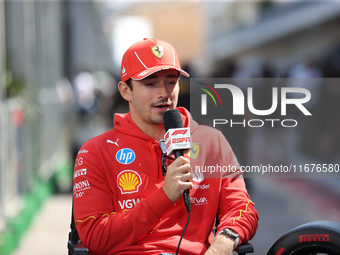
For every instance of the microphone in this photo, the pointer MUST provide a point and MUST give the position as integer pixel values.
(177, 141)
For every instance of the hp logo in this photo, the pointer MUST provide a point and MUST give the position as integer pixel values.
(125, 156)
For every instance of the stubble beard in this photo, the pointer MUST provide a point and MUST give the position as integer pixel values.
(156, 119)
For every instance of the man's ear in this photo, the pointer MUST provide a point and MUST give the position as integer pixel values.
(124, 90)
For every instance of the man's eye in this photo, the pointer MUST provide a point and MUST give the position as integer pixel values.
(149, 84)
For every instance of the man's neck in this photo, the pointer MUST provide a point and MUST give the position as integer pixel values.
(154, 131)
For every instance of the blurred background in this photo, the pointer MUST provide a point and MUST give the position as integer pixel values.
(59, 69)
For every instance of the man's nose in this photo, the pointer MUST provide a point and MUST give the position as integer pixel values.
(163, 90)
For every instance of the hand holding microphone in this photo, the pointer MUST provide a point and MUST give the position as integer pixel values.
(178, 176)
(177, 179)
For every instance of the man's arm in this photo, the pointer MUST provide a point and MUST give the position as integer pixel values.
(236, 210)
(100, 225)
(103, 229)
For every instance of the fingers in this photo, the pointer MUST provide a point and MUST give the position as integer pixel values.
(185, 186)
(181, 166)
(186, 177)
(184, 169)
(180, 161)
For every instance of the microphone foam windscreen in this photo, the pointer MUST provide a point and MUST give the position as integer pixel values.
(172, 119)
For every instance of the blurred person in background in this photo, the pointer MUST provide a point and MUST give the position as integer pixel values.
(95, 96)
(125, 204)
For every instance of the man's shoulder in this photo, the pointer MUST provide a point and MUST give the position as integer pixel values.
(207, 130)
(106, 137)
(208, 136)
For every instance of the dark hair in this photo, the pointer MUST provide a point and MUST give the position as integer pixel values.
(129, 83)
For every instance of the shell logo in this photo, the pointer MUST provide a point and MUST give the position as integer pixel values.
(129, 181)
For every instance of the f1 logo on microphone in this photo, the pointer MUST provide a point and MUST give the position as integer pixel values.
(177, 139)
(180, 132)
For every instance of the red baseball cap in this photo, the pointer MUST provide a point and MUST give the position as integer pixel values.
(147, 57)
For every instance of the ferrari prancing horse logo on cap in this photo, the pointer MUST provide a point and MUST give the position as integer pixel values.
(157, 50)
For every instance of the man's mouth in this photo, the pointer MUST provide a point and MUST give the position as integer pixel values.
(162, 106)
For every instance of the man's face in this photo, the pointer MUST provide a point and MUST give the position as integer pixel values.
(152, 96)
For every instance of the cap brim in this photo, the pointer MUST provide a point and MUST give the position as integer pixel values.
(145, 73)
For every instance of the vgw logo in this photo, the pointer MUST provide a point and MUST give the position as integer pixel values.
(125, 156)
(239, 102)
(129, 203)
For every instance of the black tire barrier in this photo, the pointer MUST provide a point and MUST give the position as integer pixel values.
(310, 238)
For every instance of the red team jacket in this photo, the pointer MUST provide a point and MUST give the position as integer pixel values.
(120, 207)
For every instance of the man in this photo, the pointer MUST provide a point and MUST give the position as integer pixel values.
(122, 202)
